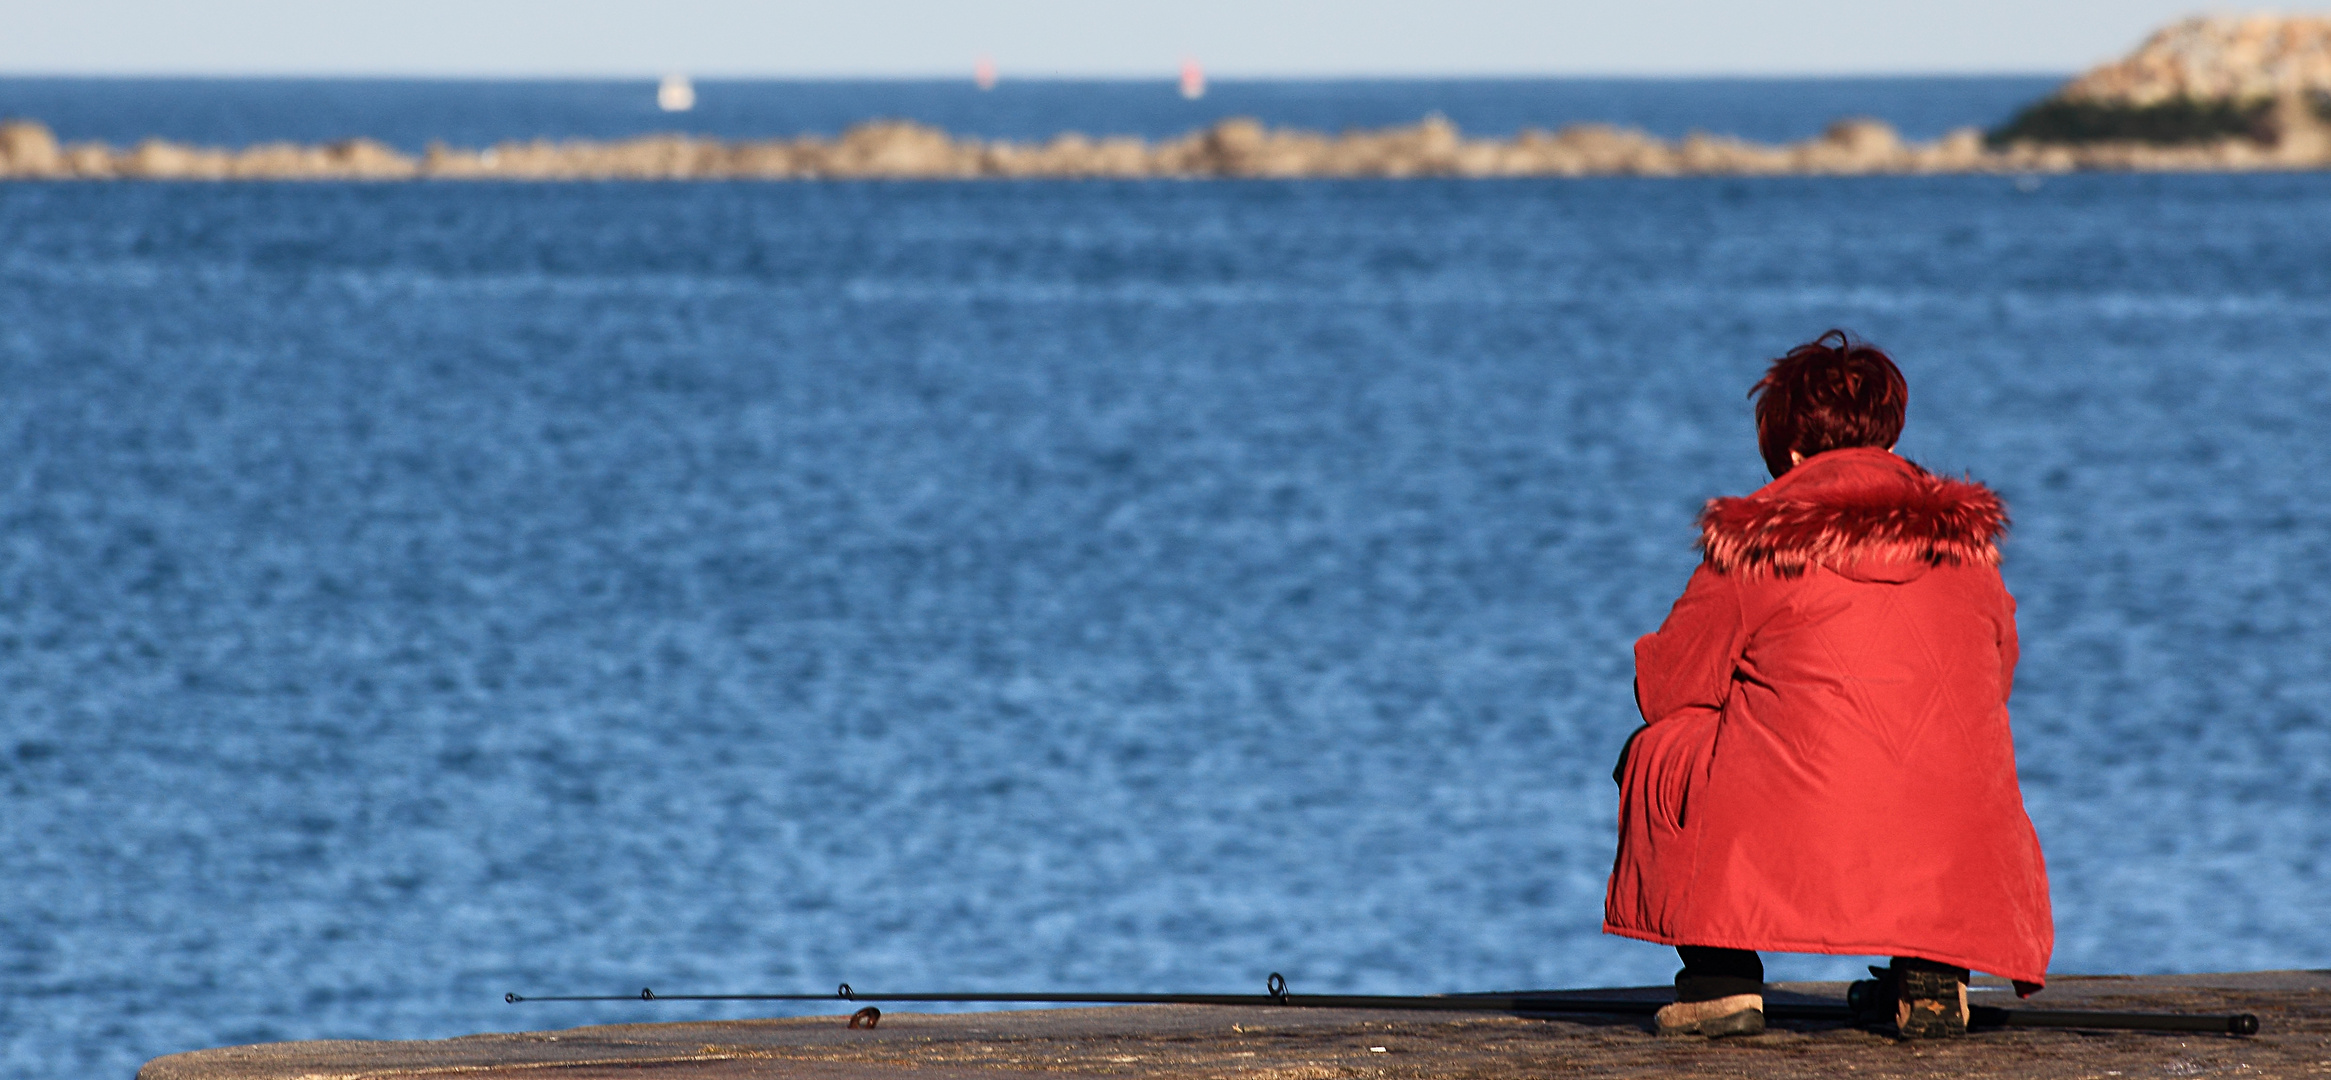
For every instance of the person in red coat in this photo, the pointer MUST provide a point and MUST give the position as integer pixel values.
(1825, 764)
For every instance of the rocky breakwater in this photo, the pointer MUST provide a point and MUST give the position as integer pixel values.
(2210, 92)
(29, 151)
(902, 150)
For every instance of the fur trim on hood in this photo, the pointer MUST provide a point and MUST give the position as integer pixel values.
(1853, 507)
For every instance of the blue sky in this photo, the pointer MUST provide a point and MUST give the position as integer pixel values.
(1130, 38)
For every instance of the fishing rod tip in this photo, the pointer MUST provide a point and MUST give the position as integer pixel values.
(511, 999)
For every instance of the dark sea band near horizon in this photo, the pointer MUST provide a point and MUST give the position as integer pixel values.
(414, 593)
(409, 114)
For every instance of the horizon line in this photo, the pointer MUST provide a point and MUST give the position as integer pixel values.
(1162, 76)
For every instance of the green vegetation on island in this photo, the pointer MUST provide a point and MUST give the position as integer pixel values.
(2183, 121)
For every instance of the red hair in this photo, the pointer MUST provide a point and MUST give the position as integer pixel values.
(1828, 394)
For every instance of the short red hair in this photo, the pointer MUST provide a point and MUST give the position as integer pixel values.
(1828, 394)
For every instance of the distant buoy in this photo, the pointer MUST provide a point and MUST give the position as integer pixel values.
(983, 74)
(675, 94)
(1193, 80)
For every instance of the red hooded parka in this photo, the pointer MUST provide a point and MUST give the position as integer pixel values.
(1826, 766)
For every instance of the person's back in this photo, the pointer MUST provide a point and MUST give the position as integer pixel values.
(1827, 765)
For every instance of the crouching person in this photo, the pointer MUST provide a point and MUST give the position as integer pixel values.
(1825, 764)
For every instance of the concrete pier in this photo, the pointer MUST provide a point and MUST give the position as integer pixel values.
(1297, 1044)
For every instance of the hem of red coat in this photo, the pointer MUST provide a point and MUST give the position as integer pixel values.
(2036, 980)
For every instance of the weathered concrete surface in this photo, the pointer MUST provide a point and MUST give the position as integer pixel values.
(1294, 1044)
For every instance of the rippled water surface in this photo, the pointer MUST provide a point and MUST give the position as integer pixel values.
(413, 593)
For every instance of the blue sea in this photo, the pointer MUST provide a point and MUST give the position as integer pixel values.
(414, 593)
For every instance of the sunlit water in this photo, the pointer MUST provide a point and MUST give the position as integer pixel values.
(413, 593)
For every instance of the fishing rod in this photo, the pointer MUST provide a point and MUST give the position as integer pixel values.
(1861, 1006)
(1276, 994)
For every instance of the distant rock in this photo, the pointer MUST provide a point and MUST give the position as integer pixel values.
(903, 149)
(1860, 143)
(28, 149)
(2265, 79)
(2216, 58)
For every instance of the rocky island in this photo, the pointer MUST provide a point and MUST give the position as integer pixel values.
(2206, 80)
(2206, 94)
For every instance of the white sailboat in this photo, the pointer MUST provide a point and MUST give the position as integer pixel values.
(675, 94)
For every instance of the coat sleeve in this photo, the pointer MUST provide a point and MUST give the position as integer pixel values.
(1688, 662)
